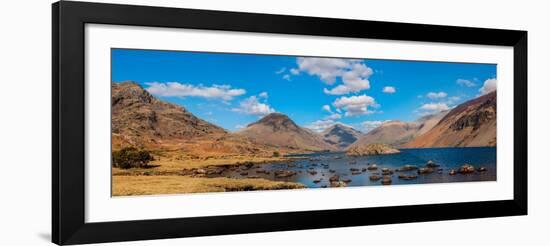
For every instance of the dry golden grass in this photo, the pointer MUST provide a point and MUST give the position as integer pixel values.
(172, 163)
(154, 185)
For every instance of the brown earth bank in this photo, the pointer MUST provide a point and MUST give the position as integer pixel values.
(470, 124)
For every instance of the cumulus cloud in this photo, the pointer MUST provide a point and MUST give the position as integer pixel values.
(263, 95)
(436, 95)
(489, 85)
(353, 73)
(327, 108)
(389, 89)
(434, 107)
(465, 82)
(280, 71)
(176, 89)
(253, 106)
(356, 105)
(327, 69)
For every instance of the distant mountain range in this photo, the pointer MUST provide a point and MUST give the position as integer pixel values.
(340, 136)
(140, 119)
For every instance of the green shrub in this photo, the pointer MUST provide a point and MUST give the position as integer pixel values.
(129, 157)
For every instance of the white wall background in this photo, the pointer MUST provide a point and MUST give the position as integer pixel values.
(25, 58)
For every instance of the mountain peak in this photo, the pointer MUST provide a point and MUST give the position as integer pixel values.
(340, 135)
(277, 121)
(138, 117)
(279, 130)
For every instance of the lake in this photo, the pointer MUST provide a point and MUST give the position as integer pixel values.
(314, 170)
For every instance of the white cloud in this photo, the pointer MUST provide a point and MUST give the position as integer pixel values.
(239, 126)
(327, 108)
(489, 85)
(286, 77)
(327, 69)
(334, 116)
(263, 95)
(353, 73)
(389, 89)
(280, 71)
(436, 95)
(434, 107)
(355, 105)
(176, 89)
(466, 82)
(253, 106)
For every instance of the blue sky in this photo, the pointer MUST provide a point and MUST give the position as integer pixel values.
(233, 90)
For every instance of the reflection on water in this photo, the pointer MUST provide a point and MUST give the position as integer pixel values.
(315, 170)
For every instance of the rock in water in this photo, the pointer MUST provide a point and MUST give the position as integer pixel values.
(466, 168)
(370, 149)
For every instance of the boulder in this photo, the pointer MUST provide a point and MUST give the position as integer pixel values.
(452, 172)
(466, 168)
(408, 168)
(431, 164)
(374, 178)
(372, 167)
(482, 169)
(284, 173)
(407, 177)
(425, 170)
(334, 178)
(386, 180)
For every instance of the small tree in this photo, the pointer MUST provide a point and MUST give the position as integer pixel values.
(129, 157)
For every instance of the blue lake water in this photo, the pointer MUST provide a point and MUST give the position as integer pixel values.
(314, 170)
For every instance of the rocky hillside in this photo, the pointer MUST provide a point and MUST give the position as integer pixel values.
(470, 124)
(340, 136)
(278, 130)
(137, 116)
(139, 119)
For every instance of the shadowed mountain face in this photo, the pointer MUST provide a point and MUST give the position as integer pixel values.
(280, 131)
(470, 124)
(138, 117)
(340, 136)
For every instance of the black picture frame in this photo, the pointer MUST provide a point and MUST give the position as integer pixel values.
(68, 107)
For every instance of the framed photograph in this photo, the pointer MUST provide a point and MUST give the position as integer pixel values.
(175, 122)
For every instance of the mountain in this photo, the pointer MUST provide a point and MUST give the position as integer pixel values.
(469, 124)
(393, 133)
(427, 122)
(139, 117)
(340, 136)
(278, 130)
(396, 133)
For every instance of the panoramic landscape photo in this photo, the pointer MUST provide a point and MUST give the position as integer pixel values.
(196, 122)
